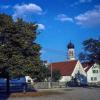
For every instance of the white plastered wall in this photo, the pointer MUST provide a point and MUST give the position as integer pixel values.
(90, 74)
(79, 68)
(65, 79)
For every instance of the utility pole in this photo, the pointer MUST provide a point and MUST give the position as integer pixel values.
(51, 74)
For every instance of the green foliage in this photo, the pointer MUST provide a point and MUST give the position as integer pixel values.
(91, 50)
(56, 75)
(19, 53)
(42, 74)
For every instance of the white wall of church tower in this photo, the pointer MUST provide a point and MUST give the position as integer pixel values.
(71, 54)
(71, 51)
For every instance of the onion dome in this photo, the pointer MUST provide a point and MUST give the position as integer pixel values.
(70, 46)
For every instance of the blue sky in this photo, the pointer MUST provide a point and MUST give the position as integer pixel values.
(59, 22)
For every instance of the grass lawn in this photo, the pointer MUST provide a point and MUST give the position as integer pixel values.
(35, 94)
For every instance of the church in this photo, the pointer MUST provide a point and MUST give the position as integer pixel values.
(72, 68)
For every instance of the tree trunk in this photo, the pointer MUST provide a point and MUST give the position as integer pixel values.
(8, 85)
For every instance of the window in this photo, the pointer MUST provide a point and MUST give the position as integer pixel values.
(95, 71)
(93, 78)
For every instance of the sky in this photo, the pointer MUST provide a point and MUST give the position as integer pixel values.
(59, 22)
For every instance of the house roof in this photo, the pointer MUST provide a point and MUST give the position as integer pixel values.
(65, 68)
(87, 65)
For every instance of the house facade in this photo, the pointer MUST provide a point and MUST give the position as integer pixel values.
(93, 73)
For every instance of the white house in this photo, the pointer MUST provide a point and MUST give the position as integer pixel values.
(93, 72)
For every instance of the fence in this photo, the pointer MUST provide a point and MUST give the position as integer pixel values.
(38, 85)
(46, 85)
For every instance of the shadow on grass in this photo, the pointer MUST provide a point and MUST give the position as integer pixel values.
(4, 95)
(35, 94)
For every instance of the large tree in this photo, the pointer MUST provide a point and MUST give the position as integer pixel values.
(91, 51)
(19, 52)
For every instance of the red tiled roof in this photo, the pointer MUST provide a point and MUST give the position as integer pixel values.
(87, 65)
(65, 68)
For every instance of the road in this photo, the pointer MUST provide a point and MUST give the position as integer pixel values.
(71, 94)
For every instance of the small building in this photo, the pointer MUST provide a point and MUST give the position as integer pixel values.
(93, 72)
(70, 69)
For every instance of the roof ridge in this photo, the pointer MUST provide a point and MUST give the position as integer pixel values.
(64, 61)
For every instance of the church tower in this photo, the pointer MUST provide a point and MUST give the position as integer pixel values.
(71, 52)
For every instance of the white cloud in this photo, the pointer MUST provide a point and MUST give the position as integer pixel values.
(85, 1)
(90, 18)
(63, 18)
(80, 2)
(42, 51)
(41, 27)
(22, 10)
